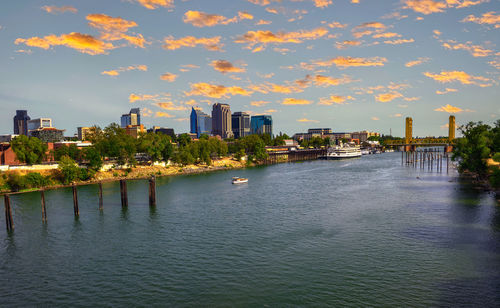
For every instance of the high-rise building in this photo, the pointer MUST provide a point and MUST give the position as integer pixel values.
(83, 132)
(221, 120)
(240, 124)
(131, 118)
(39, 124)
(201, 123)
(21, 122)
(262, 124)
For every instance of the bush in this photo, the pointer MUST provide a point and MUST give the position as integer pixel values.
(86, 174)
(36, 180)
(495, 178)
(16, 182)
(496, 157)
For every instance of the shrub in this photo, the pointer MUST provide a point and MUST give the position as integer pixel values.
(496, 157)
(36, 180)
(495, 178)
(86, 174)
(16, 182)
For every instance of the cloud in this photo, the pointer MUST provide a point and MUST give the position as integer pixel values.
(368, 28)
(322, 3)
(387, 97)
(83, 43)
(488, 18)
(140, 97)
(146, 112)
(449, 109)
(52, 9)
(260, 2)
(209, 43)
(459, 76)
(495, 64)
(259, 103)
(188, 67)
(374, 118)
(168, 77)
(344, 62)
(161, 114)
(115, 28)
(345, 44)
(396, 115)
(170, 106)
(386, 35)
(336, 24)
(276, 88)
(117, 72)
(201, 19)
(334, 99)
(325, 81)
(181, 119)
(295, 101)
(263, 22)
(154, 4)
(262, 38)
(305, 120)
(215, 91)
(398, 42)
(270, 110)
(427, 7)
(224, 66)
(447, 90)
(474, 50)
(26, 51)
(416, 62)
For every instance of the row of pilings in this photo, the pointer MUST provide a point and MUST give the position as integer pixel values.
(9, 222)
(432, 159)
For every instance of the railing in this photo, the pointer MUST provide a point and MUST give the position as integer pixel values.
(420, 141)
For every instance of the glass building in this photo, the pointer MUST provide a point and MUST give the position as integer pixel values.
(240, 122)
(200, 122)
(21, 122)
(262, 124)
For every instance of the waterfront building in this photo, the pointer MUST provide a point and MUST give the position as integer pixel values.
(201, 123)
(83, 132)
(363, 136)
(240, 124)
(131, 118)
(162, 130)
(221, 121)
(21, 122)
(261, 124)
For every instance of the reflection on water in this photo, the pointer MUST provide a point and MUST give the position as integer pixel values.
(365, 232)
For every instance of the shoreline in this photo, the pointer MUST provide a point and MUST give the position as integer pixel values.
(142, 173)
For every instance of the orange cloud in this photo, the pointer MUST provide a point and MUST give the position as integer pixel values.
(161, 114)
(270, 110)
(307, 120)
(460, 76)
(59, 10)
(262, 38)
(387, 97)
(386, 35)
(495, 64)
(449, 109)
(201, 19)
(209, 43)
(124, 69)
(325, 81)
(168, 77)
(348, 61)
(345, 44)
(260, 2)
(447, 90)
(139, 97)
(83, 43)
(170, 106)
(263, 22)
(276, 88)
(336, 24)
(188, 67)
(374, 118)
(427, 7)
(398, 42)
(322, 3)
(474, 50)
(224, 66)
(115, 28)
(259, 103)
(488, 18)
(215, 91)
(416, 62)
(154, 4)
(295, 101)
(334, 99)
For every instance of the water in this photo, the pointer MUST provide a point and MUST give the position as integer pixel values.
(364, 232)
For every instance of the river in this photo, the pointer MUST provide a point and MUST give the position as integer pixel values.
(363, 232)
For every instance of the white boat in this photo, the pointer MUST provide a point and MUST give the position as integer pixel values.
(238, 180)
(341, 152)
(365, 151)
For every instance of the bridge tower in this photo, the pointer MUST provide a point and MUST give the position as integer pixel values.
(409, 130)
(451, 129)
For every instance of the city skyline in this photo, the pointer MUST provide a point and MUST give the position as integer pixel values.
(349, 65)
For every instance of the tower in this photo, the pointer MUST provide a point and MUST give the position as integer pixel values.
(221, 120)
(21, 122)
(451, 129)
(409, 130)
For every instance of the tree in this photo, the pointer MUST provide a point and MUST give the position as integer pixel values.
(183, 140)
(69, 170)
(93, 158)
(154, 145)
(29, 150)
(114, 142)
(472, 150)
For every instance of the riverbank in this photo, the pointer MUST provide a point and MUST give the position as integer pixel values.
(133, 173)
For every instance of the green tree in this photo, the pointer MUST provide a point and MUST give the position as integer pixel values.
(183, 140)
(69, 170)
(472, 150)
(155, 144)
(29, 150)
(113, 142)
(93, 157)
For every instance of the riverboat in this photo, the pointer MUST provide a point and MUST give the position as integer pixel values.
(238, 180)
(342, 152)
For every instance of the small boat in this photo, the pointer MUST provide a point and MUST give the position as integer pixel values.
(238, 180)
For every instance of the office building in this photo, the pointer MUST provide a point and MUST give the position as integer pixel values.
(240, 124)
(319, 131)
(21, 122)
(201, 123)
(37, 124)
(364, 135)
(83, 132)
(162, 130)
(221, 121)
(135, 130)
(262, 124)
(48, 134)
(131, 118)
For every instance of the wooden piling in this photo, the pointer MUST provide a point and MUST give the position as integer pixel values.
(152, 191)
(8, 214)
(123, 191)
(100, 197)
(447, 163)
(76, 210)
(44, 210)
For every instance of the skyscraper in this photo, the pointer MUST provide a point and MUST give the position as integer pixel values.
(201, 123)
(131, 118)
(240, 124)
(262, 124)
(21, 122)
(221, 120)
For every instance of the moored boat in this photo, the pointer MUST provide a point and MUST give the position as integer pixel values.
(342, 152)
(238, 180)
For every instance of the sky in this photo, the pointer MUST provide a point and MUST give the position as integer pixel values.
(349, 65)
